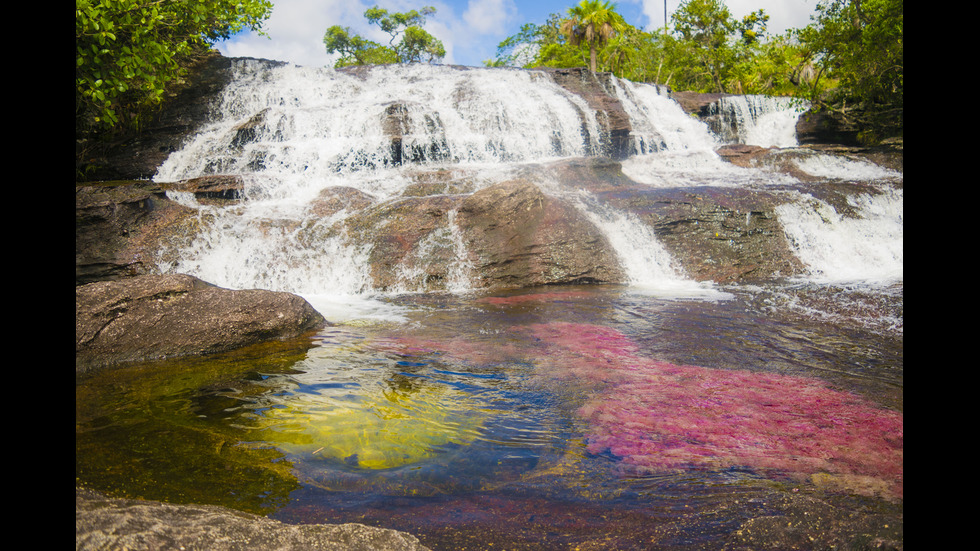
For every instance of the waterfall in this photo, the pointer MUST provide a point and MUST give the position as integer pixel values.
(293, 132)
(648, 265)
(758, 120)
(862, 246)
(659, 123)
(287, 121)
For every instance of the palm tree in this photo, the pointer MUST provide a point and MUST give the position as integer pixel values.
(595, 22)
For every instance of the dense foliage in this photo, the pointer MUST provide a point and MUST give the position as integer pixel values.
(409, 42)
(848, 61)
(858, 45)
(127, 52)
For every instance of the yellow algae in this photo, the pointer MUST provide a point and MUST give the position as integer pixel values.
(374, 429)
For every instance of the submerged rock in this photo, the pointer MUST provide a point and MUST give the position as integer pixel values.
(162, 316)
(106, 523)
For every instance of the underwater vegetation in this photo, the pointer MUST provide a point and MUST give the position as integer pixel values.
(383, 426)
(655, 415)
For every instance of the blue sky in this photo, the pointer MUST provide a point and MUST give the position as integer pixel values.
(469, 29)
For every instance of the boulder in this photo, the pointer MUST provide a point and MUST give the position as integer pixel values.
(154, 317)
(718, 234)
(519, 237)
(412, 245)
(106, 523)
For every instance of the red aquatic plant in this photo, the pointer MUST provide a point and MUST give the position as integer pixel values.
(654, 415)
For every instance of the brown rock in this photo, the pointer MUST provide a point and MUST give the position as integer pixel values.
(116, 228)
(521, 237)
(163, 316)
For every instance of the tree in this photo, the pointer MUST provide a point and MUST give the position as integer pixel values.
(859, 44)
(415, 44)
(592, 22)
(127, 52)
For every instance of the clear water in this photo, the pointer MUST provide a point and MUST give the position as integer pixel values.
(482, 416)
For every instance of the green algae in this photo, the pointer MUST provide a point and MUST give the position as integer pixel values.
(145, 431)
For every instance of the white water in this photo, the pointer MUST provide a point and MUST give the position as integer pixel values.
(319, 128)
(762, 120)
(865, 248)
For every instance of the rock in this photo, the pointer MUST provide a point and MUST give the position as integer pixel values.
(715, 234)
(518, 237)
(216, 188)
(105, 523)
(803, 522)
(333, 200)
(412, 246)
(118, 226)
(742, 155)
(822, 128)
(696, 103)
(594, 89)
(139, 156)
(162, 316)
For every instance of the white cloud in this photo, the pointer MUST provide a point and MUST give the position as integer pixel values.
(489, 16)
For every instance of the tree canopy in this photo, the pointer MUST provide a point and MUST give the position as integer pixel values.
(127, 52)
(593, 23)
(408, 43)
(857, 48)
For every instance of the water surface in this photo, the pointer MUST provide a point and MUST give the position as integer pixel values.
(548, 418)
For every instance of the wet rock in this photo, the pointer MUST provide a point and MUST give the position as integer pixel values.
(163, 316)
(595, 90)
(214, 189)
(411, 241)
(717, 234)
(742, 155)
(106, 523)
(714, 233)
(118, 226)
(518, 237)
(825, 127)
(333, 200)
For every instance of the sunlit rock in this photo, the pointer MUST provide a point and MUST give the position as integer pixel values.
(162, 316)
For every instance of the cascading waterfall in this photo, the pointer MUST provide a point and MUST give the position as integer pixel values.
(294, 132)
(659, 123)
(294, 121)
(759, 120)
(865, 247)
(648, 265)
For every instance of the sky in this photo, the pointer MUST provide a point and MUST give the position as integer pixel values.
(469, 29)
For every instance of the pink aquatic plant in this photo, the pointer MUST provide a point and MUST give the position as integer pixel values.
(655, 415)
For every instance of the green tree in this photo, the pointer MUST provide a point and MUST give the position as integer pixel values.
(409, 42)
(592, 22)
(127, 52)
(708, 37)
(859, 46)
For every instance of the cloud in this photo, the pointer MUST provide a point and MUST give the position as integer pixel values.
(489, 16)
